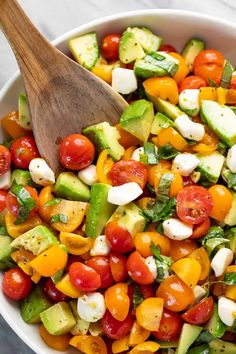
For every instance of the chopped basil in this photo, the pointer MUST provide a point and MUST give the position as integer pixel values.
(204, 337)
(52, 202)
(150, 188)
(226, 75)
(25, 201)
(163, 263)
(230, 278)
(222, 148)
(167, 152)
(165, 183)
(212, 83)
(214, 237)
(137, 296)
(59, 218)
(161, 210)
(150, 155)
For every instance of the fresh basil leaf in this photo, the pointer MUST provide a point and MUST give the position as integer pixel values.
(59, 218)
(163, 263)
(159, 228)
(230, 278)
(191, 142)
(222, 148)
(165, 183)
(3, 230)
(155, 250)
(167, 152)
(204, 337)
(7, 143)
(137, 296)
(141, 90)
(25, 201)
(52, 202)
(214, 237)
(212, 83)
(161, 210)
(150, 188)
(150, 151)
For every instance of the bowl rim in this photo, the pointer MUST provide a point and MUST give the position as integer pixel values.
(83, 27)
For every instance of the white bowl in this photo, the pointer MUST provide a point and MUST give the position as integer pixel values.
(176, 27)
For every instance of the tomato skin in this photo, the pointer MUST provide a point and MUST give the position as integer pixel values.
(101, 265)
(5, 160)
(138, 270)
(52, 293)
(194, 204)
(23, 150)
(3, 195)
(110, 46)
(76, 152)
(129, 171)
(200, 313)
(209, 64)
(191, 82)
(170, 326)
(147, 291)
(167, 48)
(84, 277)
(16, 284)
(116, 329)
(201, 229)
(13, 205)
(222, 201)
(187, 181)
(118, 267)
(119, 239)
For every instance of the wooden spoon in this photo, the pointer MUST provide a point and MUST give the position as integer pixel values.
(63, 97)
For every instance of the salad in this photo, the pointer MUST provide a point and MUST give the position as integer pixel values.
(131, 248)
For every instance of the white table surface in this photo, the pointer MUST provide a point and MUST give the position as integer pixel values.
(54, 17)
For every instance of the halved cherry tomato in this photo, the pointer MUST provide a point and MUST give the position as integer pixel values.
(149, 313)
(191, 82)
(143, 240)
(200, 313)
(194, 204)
(209, 64)
(118, 267)
(200, 254)
(183, 69)
(180, 249)
(171, 136)
(101, 264)
(117, 301)
(119, 239)
(222, 201)
(76, 152)
(110, 46)
(170, 326)
(84, 277)
(167, 48)
(176, 185)
(138, 270)
(176, 294)
(147, 290)
(201, 229)
(16, 284)
(23, 150)
(116, 329)
(5, 160)
(10, 124)
(103, 167)
(126, 139)
(52, 293)
(187, 181)
(188, 270)
(129, 171)
(233, 83)
(3, 195)
(12, 203)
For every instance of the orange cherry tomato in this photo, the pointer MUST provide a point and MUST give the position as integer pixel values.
(176, 184)
(176, 294)
(60, 343)
(162, 87)
(149, 313)
(10, 124)
(209, 64)
(103, 167)
(88, 344)
(200, 254)
(180, 249)
(117, 301)
(188, 270)
(191, 82)
(126, 139)
(201, 229)
(143, 240)
(118, 267)
(222, 201)
(183, 67)
(171, 136)
(153, 170)
(138, 270)
(138, 334)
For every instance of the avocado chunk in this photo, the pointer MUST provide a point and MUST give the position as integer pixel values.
(129, 48)
(58, 319)
(230, 218)
(210, 166)
(24, 115)
(69, 186)
(129, 217)
(230, 234)
(200, 349)
(104, 136)
(165, 107)
(22, 177)
(33, 305)
(191, 49)
(218, 346)
(167, 345)
(160, 121)
(85, 49)
(148, 40)
(137, 119)
(99, 210)
(221, 119)
(5, 253)
(81, 327)
(229, 177)
(36, 240)
(188, 335)
(215, 326)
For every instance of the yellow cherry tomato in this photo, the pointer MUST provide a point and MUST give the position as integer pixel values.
(188, 270)
(117, 301)
(128, 153)
(171, 136)
(200, 254)
(89, 344)
(60, 343)
(143, 240)
(162, 87)
(137, 335)
(149, 313)
(222, 201)
(103, 71)
(103, 167)
(120, 345)
(76, 244)
(145, 348)
(176, 184)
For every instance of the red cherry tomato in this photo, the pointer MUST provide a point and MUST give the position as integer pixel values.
(170, 326)
(187, 181)
(5, 160)
(167, 48)
(119, 239)
(76, 152)
(147, 291)
(72, 259)
(110, 46)
(138, 270)
(129, 171)
(52, 293)
(233, 83)
(16, 284)
(200, 313)
(23, 150)
(118, 267)
(209, 64)
(84, 277)
(194, 204)
(192, 82)
(101, 264)
(3, 195)
(13, 205)
(116, 329)
(201, 229)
